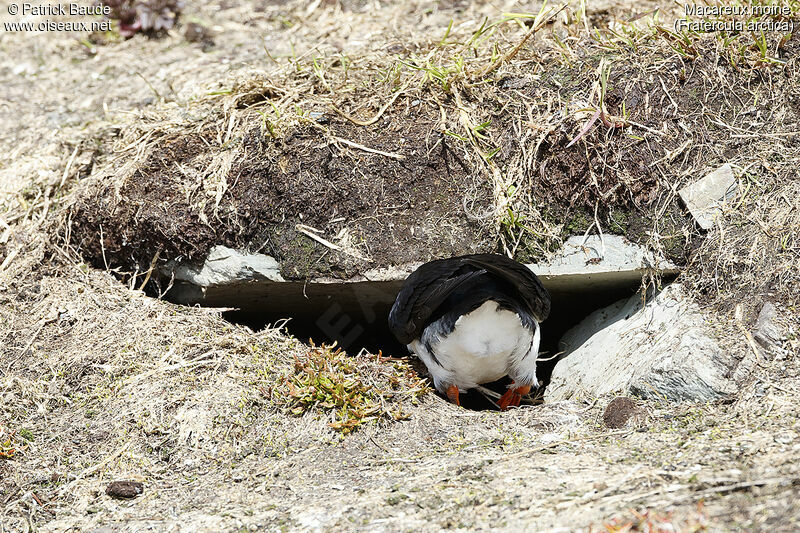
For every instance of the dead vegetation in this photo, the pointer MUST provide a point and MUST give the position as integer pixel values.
(754, 256)
(89, 381)
(99, 382)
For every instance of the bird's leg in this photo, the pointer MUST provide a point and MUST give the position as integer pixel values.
(452, 394)
(513, 396)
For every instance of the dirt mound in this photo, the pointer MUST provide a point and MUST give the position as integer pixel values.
(393, 193)
(448, 161)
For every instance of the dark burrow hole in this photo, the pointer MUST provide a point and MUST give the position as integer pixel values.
(355, 316)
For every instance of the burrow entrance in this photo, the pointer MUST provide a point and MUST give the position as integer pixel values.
(354, 314)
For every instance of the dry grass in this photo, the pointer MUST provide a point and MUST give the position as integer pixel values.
(753, 256)
(100, 382)
(654, 521)
(96, 376)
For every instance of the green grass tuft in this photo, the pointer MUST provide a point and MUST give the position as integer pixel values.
(354, 389)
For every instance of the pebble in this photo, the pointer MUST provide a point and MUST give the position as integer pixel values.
(124, 489)
(619, 412)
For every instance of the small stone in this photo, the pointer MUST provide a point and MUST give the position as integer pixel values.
(319, 118)
(514, 83)
(620, 411)
(767, 332)
(124, 489)
(395, 48)
(197, 33)
(704, 196)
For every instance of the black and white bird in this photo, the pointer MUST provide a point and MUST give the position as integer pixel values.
(473, 319)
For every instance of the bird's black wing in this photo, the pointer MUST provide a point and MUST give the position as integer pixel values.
(428, 286)
(423, 292)
(521, 277)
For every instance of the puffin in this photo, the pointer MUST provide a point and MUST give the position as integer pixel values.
(473, 319)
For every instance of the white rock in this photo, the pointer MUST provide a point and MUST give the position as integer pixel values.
(607, 262)
(704, 197)
(593, 254)
(662, 350)
(225, 265)
(601, 264)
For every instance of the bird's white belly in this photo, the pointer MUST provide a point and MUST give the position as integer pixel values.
(482, 345)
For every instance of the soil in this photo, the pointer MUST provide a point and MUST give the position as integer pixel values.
(392, 208)
(124, 489)
(619, 411)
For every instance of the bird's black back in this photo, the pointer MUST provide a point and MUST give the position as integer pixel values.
(461, 284)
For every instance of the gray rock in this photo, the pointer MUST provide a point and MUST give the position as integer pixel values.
(320, 118)
(583, 273)
(704, 197)
(662, 349)
(230, 278)
(610, 262)
(225, 270)
(767, 332)
(593, 254)
(224, 266)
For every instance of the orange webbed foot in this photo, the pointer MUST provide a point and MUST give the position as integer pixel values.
(513, 396)
(452, 395)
